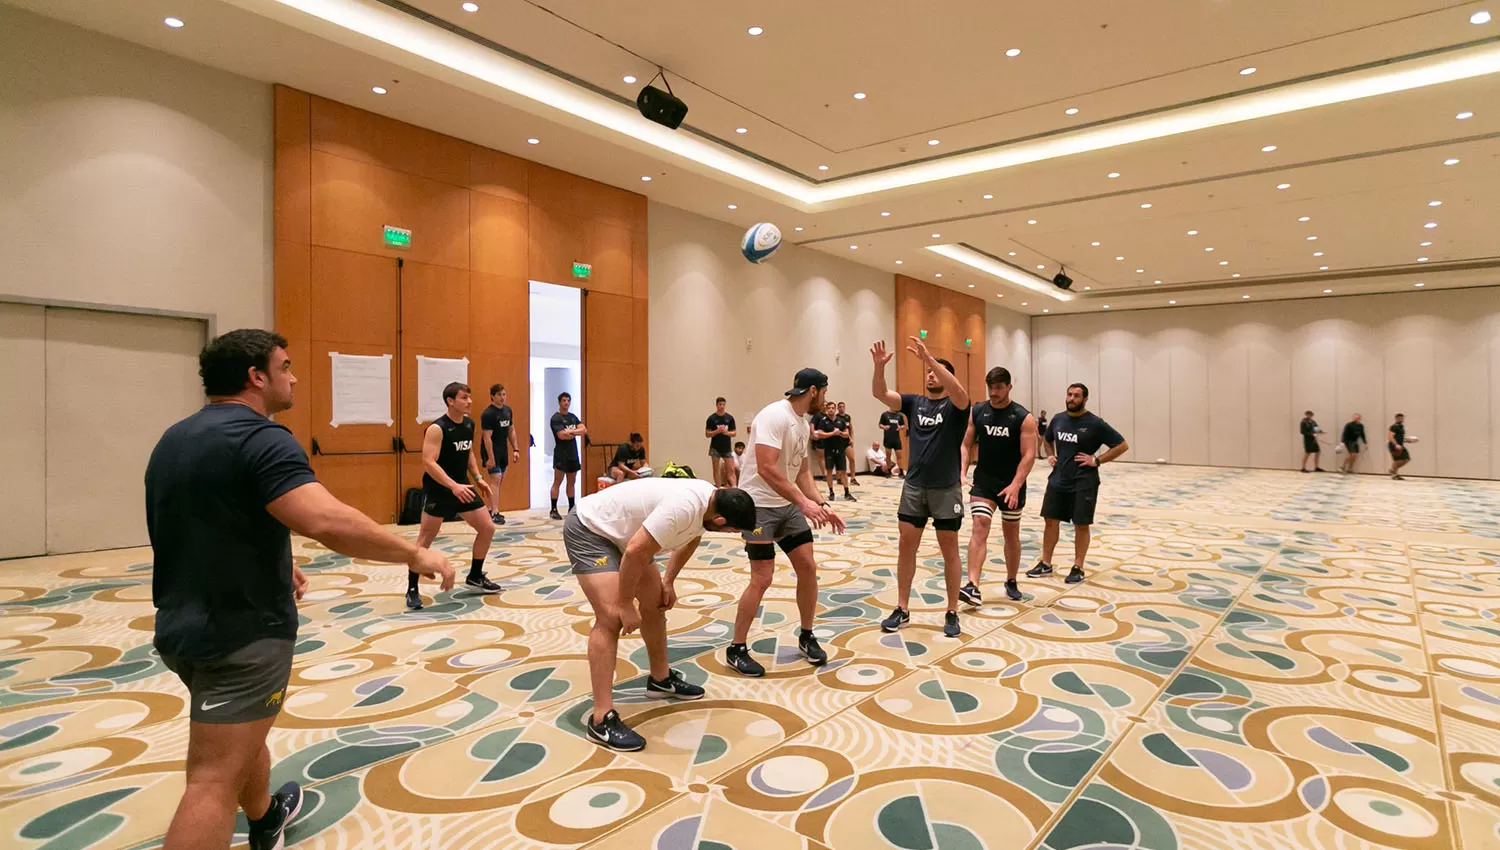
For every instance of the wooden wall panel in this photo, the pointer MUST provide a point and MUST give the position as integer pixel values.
(510, 370)
(434, 307)
(498, 236)
(293, 296)
(498, 319)
(363, 482)
(355, 134)
(949, 318)
(556, 241)
(498, 174)
(352, 298)
(352, 201)
(608, 248)
(579, 197)
(609, 328)
(292, 180)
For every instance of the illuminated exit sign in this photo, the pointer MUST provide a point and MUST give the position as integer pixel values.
(581, 271)
(397, 237)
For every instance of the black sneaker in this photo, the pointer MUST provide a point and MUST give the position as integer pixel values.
(853, 482)
(612, 732)
(481, 583)
(849, 497)
(553, 514)
(950, 624)
(268, 833)
(413, 600)
(969, 594)
(1012, 592)
(738, 658)
(896, 620)
(807, 644)
(1075, 575)
(499, 519)
(1039, 570)
(673, 686)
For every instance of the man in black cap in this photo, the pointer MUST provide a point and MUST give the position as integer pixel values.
(788, 506)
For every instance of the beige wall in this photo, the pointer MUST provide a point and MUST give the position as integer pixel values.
(803, 308)
(131, 178)
(1225, 385)
(1008, 344)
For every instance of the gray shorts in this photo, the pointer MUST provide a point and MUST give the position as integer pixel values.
(246, 685)
(773, 524)
(588, 551)
(945, 506)
(715, 453)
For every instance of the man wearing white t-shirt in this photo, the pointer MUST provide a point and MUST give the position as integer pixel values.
(788, 505)
(611, 541)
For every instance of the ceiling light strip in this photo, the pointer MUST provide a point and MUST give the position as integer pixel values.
(993, 267)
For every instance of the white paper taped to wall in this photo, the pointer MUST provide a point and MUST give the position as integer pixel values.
(361, 389)
(434, 373)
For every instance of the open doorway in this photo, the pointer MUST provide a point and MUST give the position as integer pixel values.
(556, 367)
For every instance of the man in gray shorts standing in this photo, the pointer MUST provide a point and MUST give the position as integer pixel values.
(936, 423)
(788, 506)
(222, 488)
(611, 540)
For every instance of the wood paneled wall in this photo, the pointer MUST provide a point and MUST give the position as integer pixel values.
(483, 224)
(949, 318)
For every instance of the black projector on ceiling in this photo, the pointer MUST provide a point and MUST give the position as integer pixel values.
(662, 107)
(1062, 281)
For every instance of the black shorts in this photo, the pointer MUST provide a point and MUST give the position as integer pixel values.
(1398, 452)
(246, 685)
(501, 467)
(835, 459)
(1075, 506)
(988, 487)
(566, 462)
(891, 440)
(1310, 444)
(442, 503)
(1352, 448)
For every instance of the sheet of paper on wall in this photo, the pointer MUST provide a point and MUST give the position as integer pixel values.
(434, 373)
(361, 389)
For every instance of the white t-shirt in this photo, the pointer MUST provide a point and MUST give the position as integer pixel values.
(876, 457)
(779, 426)
(670, 509)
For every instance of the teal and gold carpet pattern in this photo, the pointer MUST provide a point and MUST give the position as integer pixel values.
(1258, 660)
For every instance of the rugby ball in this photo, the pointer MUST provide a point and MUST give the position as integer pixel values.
(760, 242)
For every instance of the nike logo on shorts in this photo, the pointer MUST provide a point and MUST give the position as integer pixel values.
(207, 706)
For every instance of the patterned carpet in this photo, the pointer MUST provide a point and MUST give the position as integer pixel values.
(1258, 660)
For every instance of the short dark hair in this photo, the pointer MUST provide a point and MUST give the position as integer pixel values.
(1081, 387)
(496, 389)
(564, 395)
(736, 507)
(997, 375)
(739, 444)
(1401, 416)
(451, 391)
(635, 437)
(719, 400)
(948, 366)
(1307, 413)
(225, 363)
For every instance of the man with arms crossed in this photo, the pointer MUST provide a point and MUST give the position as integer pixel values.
(890, 423)
(611, 542)
(1354, 434)
(449, 462)
(720, 431)
(829, 429)
(566, 429)
(934, 487)
(1002, 440)
(500, 446)
(788, 507)
(223, 487)
(1073, 486)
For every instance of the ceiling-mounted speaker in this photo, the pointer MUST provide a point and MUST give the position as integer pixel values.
(1062, 281)
(662, 107)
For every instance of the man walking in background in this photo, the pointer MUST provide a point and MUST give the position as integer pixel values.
(1001, 440)
(1395, 443)
(449, 461)
(1353, 436)
(933, 488)
(500, 446)
(1073, 486)
(1310, 448)
(720, 431)
(223, 486)
(891, 423)
(566, 429)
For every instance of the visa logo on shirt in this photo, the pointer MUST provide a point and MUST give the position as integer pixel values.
(463, 445)
(997, 430)
(930, 421)
(1067, 437)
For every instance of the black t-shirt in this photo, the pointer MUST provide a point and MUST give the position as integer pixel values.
(823, 422)
(1074, 435)
(1309, 428)
(997, 433)
(626, 456)
(569, 447)
(721, 443)
(1354, 432)
(845, 423)
(1398, 431)
(221, 573)
(453, 453)
(892, 418)
(496, 420)
(937, 429)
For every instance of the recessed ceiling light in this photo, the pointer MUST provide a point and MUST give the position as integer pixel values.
(1480, 17)
(1171, 302)
(1031, 221)
(1207, 249)
(1045, 310)
(1464, 116)
(1283, 185)
(1140, 271)
(1040, 266)
(378, 89)
(174, 23)
(733, 206)
(884, 214)
(1095, 244)
(1328, 292)
(1312, 238)
(533, 141)
(1317, 253)
(1012, 253)
(1106, 306)
(822, 168)
(1246, 297)
(798, 228)
(1025, 303)
(645, 178)
(1452, 160)
(1112, 175)
(856, 248)
(937, 236)
(1236, 274)
(1430, 225)
(1322, 268)
(939, 274)
(471, 7)
(1426, 244)
(899, 262)
(1434, 203)
(1421, 259)
(741, 130)
(1268, 149)
(629, 79)
(1223, 262)
(1192, 233)
(755, 30)
(1305, 218)
(1119, 258)
(1087, 288)
(1245, 72)
(971, 286)
(932, 141)
(989, 197)
(1145, 206)
(1156, 282)
(1072, 110)
(1419, 283)
(1013, 52)
(859, 95)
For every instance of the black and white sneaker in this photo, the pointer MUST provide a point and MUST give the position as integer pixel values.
(737, 656)
(807, 644)
(1012, 592)
(950, 624)
(481, 583)
(413, 600)
(269, 833)
(612, 732)
(673, 686)
(849, 497)
(969, 594)
(553, 514)
(496, 518)
(896, 620)
(1075, 575)
(1041, 569)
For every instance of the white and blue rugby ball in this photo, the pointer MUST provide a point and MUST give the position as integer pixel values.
(760, 242)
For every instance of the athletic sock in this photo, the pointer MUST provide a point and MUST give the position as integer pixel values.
(554, 504)
(411, 580)
(476, 567)
(805, 633)
(272, 816)
(570, 504)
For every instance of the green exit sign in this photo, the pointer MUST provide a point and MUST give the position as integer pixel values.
(922, 334)
(968, 341)
(581, 271)
(397, 237)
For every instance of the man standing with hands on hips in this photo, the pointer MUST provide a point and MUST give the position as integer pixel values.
(1073, 486)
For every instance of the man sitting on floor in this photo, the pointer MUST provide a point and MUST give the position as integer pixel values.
(630, 460)
(875, 456)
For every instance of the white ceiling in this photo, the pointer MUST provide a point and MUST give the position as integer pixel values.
(1363, 171)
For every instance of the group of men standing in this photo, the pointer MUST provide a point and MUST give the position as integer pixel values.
(1351, 441)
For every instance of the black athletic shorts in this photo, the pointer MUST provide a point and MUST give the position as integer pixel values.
(892, 440)
(501, 467)
(1352, 448)
(1075, 506)
(988, 487)
(566, 462)
(246, 685)
(1398, 452)
(835, 459)
(1310, 444)
(442, 503)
